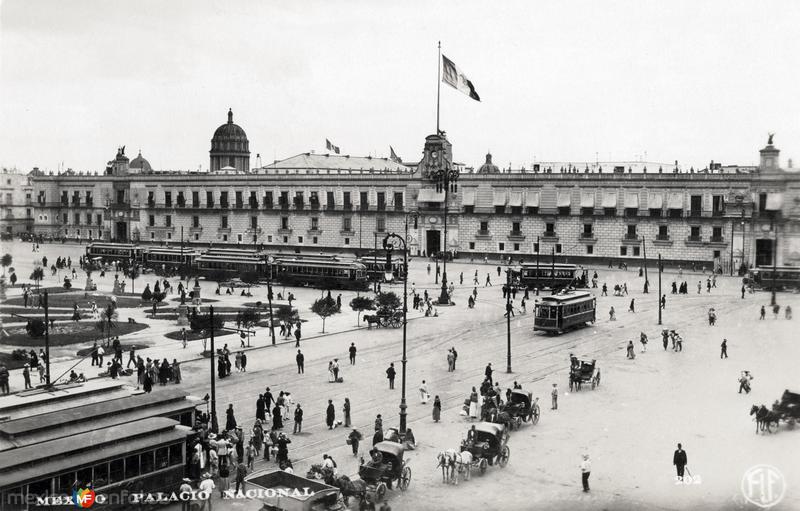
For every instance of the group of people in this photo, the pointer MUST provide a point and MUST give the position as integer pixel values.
(148, 372)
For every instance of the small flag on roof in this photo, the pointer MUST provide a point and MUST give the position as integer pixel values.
(453, 77)
(393, 156)
(331, 147)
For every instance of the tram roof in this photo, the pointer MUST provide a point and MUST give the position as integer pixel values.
(34, 462)
(89, 416)
(230, 257)
(172, 250)
(112, 245)
(322, 263)
(570, 296)
(546, 265)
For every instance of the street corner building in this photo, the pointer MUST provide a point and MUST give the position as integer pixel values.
(721, 217)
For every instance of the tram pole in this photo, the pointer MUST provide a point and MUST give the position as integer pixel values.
(537, 265)
(508, 320)
(644, 254)
(214, 423)
(47, 339)
(658, 302)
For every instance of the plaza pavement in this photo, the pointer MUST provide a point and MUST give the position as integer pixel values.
(629, 425)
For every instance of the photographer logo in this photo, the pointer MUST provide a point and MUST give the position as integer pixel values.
(763, 486)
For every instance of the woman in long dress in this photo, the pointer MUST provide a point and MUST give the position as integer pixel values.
(260, 414)
(473, 404)
(277, 418)
(346, 410)
(437, 409)
(331, 378)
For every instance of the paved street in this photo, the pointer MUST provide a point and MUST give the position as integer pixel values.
(629, 425)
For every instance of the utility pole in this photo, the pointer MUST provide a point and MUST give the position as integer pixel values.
(644, 254)
(537, 264)
(774, 261)
(47, 339)
(214, 423)
(270, 265)
(660, 269)
(508, 320)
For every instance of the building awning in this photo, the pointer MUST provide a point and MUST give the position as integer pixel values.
(587, 200)
(774, 201)
(675, 201)
(564, 199)
(499, 198)
(632, 200)
(655, 201)
(609, 200)
(532, 199)
(468, 198)
(430, 195)
(515, 199)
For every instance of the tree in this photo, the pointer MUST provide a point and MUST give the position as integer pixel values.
(324, 308)
(388, 301)
(13, 279)
(147, 295)
(35, 327)
(360, 304)
(199, 322)
(6, 261)
(133, 274)
(37, 276)
(106, 322)
(247, 319)
(249, 277)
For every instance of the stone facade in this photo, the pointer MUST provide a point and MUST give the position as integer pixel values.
(16, 205)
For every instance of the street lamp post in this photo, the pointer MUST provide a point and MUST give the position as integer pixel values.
(270, 261)
(508, 320)
(444, 176)
(387, 245)
(774, 261)
(660, 269)
(214, 422)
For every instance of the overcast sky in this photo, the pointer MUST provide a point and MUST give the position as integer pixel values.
(566, 81)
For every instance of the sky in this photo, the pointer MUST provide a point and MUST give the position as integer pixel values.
(567, 81)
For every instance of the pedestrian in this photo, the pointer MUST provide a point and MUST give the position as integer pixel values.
(298, 420)
(230, 420)
(390, 374)
(488, 280)
(244, 362)
(297, 336)
(663, 301)
(488, 372)
(206, 487)
(708, 285)
(724, 349)
(132, 357)
(473, 404)
(277, 417)
(423, 393)
(330, 414)
(632, 307)
(352, 351)
(455, 357)
(238, 361)
(763, 312)
(586, 470)
(788, 311)
(630, 354)
(300, 358)
(604, 292)
(335, 368)
(743, 289)
(185, 489)
(346, 411)
(612, 314)
(437, 409)
(176, 371)
(353, 439)
(744, 382)
(94, 354)
(100, 353)
(241, 472)
(680, 461)
(377, 437)
(554, 396)
(260, 414)
(4, 388)
(699, 286)
(643, 340)
(450, 361)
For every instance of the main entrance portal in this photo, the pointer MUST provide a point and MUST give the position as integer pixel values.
(432, 242)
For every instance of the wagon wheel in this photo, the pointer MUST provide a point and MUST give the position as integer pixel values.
(380, 491)
(482, 464)
(397, 322)
(383, 321)
(405, 478)
(504, 455)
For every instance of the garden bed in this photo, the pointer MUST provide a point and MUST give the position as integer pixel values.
(69, 333)
(82, 298)
(196, 336)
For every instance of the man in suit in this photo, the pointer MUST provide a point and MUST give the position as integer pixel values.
(300, 362)
(679, 460)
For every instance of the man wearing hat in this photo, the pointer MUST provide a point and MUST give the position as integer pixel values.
(586, 469)
(26, 373)
(488, 372)
(554, 394)
(185, 489)
(207, 486)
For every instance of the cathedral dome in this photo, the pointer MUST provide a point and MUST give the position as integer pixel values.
(488, 167)
(230, 147)
(140, 163)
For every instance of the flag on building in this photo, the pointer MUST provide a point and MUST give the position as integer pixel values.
(393, 156)
(453, 77)
(331, 147)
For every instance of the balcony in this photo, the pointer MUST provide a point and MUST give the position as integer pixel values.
(238, 205)
(662, 237)
(253, 204)
(694, 240)
(381, 206)
(549, 234)
(299, 204)
(516, 235)
(630, 236)
(268, 204)
(224, 230)
(180, 204)
(717, 239)
(330, 206)
(483, 233)
(695, 213)
(718, 213)
(283, 204)
(587, 236)
(347, 206)
(210, 205)
(224, 204)
(587, 211)
(398, 206)
(196, 205)
(89, 203)
(284, 230)
(363, 207)
(195, 229)
(314, 203)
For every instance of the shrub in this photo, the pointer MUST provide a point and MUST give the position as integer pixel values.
(35, 327)
(200, 322)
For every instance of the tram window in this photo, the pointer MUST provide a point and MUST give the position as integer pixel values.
(40, 487)
(116, 471)
(175, 454)
(84, 477)
(131, 466)
(64, 482)
(146, 459)
(100, 477)
(162, 458)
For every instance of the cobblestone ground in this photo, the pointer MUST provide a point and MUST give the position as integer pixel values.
(629, 425)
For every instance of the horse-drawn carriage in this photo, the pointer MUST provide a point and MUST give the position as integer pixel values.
(385, 318)
(787, 410)
(522, 408)
(386, 466)
(487, 443)
(583, 371)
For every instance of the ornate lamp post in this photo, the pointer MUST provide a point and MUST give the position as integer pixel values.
(391, 241)
(438, 167)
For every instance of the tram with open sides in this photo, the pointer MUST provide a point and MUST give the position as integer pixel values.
(564, 311)
(784, 277)
(107, 252)
(552, 276)
(376, 268)
(322, 272)
(169, 258)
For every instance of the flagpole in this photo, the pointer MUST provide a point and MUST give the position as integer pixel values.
(438, 84)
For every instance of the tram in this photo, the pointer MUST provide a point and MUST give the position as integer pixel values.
(376, 268)
(784, 277)
(552, 276)
(231, 261)
(322, 272)
(168, 259)
(564, 311)
(106, 252)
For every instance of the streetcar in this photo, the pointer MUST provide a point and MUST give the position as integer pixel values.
(107, 252)
(784, 277)
(552, 276)
(564, 311)
(322, 272)
(169, 259)
(377, 271)
(231, 262)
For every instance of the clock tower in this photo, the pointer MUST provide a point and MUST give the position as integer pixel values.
(437, 155)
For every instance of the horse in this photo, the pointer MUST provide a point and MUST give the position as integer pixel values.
(371, 319)
(463, 465)
(348, 487)
(764, 418)
(447, 460)
(575, 380)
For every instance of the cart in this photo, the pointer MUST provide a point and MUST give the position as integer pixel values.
(387, 466)
(282, 491)
(487, 443)
(583, 371)
(522, 408)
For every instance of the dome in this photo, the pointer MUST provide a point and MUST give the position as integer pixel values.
(140, 163)
(230, 138)
(488, 167)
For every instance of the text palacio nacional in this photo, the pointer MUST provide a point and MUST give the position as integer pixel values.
(317, 202)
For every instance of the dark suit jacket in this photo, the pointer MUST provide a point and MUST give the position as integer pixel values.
(679, 458)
